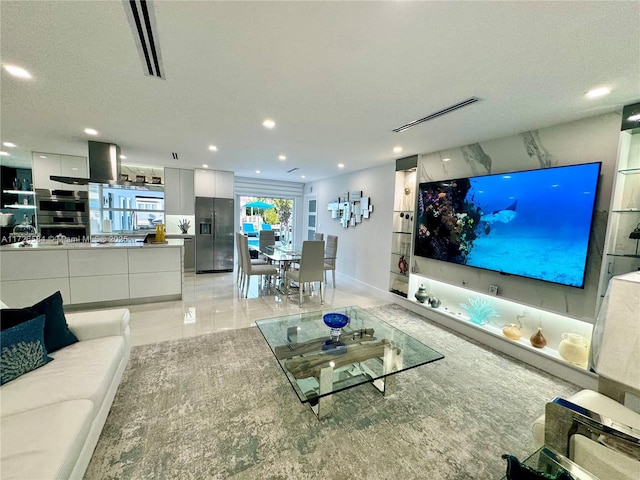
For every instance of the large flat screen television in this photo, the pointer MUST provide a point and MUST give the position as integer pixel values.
(533, 223)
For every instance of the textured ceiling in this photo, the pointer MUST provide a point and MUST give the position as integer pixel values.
(337, 77)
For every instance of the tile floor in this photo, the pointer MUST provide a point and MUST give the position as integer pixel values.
(212, 302)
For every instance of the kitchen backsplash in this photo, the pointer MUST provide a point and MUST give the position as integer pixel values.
(172, 222)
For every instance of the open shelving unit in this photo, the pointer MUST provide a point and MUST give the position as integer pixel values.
(527, 317)
(622, 253)
(402, 230)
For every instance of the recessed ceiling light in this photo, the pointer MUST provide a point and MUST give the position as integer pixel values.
(213, 148)
(397, 149)
(446, 159)
(632, 118)
(90, 131)
(204, 165)
(17, 71)
(12, 145)
(598, 92)
(303, 176)
(4, 154)
(268, 123)
(341, 165)
(75, 169)
(43, 156)
(123, 157)
(257, 171)
(282, 157)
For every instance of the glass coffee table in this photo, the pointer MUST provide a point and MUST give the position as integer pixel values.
(319, 361)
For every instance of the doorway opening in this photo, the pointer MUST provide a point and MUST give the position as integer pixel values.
(267, 213)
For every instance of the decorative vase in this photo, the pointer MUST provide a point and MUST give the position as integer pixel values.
(434, 302)
(512, 332)
(160, 233)
(537, 339)
(422, 295)
(403, 266)
(335, 321)
(574, 349)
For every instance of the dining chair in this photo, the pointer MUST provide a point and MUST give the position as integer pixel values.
(254, 261)
(330, 257)
(250, 269)
(318, 236)
(239, 252)
(267, 239)
(311, 268)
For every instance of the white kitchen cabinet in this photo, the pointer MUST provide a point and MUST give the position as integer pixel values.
(89, 263)
(205, 183)
(179, 191)
(213, 184)
(144, 285)
(224, 184)
(150, 260)
(151, 274)
(100, 288)
(98, 275)
(24, 293)
(73, 166)
(44, 165)
(47, 164)
(15, 265)
(85, 274)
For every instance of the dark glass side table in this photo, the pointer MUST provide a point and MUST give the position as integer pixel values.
(552, 463)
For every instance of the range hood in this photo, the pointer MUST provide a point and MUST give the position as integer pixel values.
(104, 167)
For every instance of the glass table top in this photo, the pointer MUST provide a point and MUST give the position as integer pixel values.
(367, 349)
(552, 464)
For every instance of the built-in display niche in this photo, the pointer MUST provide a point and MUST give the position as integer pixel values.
(18, 199)
(118, 209)
(350, 208)
(555, 336)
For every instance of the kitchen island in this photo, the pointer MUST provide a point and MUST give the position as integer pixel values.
(91, 274)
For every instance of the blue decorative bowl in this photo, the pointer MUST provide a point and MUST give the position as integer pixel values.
(335, 320)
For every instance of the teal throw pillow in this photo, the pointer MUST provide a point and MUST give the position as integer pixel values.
(56, 331)
(22, 349)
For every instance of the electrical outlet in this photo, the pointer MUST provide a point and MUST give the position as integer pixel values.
(493, 290)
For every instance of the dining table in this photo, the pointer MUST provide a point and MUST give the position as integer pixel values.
(284, 256)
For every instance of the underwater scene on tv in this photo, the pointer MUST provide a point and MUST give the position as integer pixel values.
(533, 223)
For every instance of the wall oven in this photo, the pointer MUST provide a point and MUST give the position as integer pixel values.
(64, 212)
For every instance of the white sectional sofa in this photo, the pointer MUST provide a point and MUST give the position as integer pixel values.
(51, 417)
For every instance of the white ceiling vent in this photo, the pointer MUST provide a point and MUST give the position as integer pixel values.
(439, 113)
(143, 25)
(293, 170)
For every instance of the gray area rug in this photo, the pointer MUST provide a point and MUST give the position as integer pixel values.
(219, 406)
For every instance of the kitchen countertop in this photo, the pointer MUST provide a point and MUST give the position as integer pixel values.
(52, 245)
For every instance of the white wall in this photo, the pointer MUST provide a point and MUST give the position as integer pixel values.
(363, 250)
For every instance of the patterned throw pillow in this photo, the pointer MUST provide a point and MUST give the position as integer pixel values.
(22, 349)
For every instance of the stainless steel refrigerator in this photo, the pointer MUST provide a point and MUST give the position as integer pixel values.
(214, 235)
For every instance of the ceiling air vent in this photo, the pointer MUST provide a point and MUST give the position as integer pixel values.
(293, 170)
(437, 114)
(174, 155)
(143, 26)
